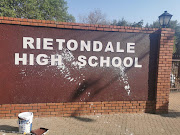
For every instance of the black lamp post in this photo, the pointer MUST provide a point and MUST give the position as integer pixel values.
(164, 19)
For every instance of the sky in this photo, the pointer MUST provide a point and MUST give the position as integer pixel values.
(130, 10)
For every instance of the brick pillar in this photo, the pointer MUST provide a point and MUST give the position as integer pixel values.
(164, 70)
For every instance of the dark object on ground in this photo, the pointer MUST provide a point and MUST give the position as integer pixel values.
(40, 131)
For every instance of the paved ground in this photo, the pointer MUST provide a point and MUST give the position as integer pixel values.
(121, 124)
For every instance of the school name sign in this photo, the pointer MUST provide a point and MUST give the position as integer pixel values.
(72, 45)
(75, 65)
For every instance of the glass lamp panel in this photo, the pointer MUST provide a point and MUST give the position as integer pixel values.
(166, 20)
(161, 20)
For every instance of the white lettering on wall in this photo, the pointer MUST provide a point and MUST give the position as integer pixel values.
(42, 59)
(82, 61)
(90, 61)
(128, 62)
(97, 46)
(60, 41)
(55, 59)
(23, 59)
(38, 43)
(105, 61)
(109, 47)
(130, 47)
(75, 45)
(116, 62)
(136, 63)
(31, 59)
(47, 43)
(118, 47)
(85, 45)
(72, 45)
(28, 41)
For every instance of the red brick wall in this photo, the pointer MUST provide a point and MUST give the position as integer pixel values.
(93, 108)
(44, 23)
(76, 108)
(164, 70)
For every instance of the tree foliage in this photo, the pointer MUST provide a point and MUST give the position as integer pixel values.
(174, 25)
(123, 22)
(97, 17)
(94, 17)
(36, 9)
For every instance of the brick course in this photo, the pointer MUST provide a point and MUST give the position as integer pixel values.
(92, 108)
(53, 24)
(76, 108)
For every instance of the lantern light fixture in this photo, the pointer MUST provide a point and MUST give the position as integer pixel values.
(164, 19)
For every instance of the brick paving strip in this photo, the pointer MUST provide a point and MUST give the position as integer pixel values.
(116, 124)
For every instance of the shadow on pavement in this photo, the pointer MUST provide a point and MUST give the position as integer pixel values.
(83, 119)
(171, 114)
(8, 129)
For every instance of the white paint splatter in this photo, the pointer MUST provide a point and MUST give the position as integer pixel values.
(69, 59)
(71, 79)
(70, 64)
(124, 78)
(23, 73)
(67, 55)
(127, 88)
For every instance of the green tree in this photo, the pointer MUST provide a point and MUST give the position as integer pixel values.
(123, 22)
(173, 24)
(36, 9)
(176, 26)
(155, 24)
(138, 24)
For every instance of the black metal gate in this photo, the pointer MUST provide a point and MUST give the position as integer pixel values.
(175, 75)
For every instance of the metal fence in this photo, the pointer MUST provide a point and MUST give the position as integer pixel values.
(175, 75)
